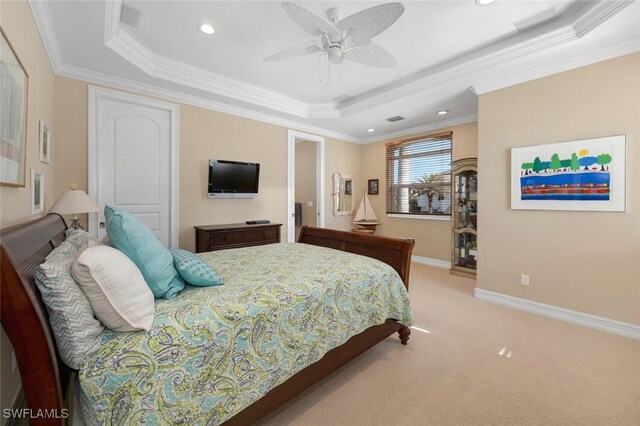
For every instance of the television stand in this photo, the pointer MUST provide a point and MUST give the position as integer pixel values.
(234, 235)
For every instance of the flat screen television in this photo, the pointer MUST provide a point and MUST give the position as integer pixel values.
(233, 179)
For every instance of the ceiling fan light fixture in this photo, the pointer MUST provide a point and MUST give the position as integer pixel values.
(484, 2)
(207, 28)
(443, 112)
(342, 38)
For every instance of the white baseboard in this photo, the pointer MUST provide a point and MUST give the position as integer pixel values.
(574, 317)
(432, 262)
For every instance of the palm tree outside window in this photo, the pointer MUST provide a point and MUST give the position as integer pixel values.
(419, 176)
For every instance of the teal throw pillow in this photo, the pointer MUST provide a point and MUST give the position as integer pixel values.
(128, 234)
(194, 270)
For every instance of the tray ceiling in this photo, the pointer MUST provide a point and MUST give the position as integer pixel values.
(447, 53)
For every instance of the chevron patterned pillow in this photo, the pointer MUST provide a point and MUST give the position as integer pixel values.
(75, 329)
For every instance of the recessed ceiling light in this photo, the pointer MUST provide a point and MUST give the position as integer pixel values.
(483, 2)
(371, 130)
(443, 112)
(207, 29)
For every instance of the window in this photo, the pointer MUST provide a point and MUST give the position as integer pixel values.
(419, 176)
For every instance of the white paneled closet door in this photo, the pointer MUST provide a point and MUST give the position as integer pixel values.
(133, 160)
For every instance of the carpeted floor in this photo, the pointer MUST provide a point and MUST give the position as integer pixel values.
(477, 363)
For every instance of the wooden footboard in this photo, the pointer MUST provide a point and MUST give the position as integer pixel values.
(395, 252)
(45, 377)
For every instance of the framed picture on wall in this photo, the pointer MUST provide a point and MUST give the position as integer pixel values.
(372, 187)
(13, 120)
(347, 187)
(584, 174)
(45, 143)
(37, 192)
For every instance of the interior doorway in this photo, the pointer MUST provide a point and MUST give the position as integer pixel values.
(305, 186)
(305, 182)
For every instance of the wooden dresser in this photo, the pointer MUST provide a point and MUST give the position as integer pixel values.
(220, 237)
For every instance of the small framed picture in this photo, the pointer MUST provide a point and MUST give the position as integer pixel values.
(372, 187)
(347, 187)
(37, 192)
(45, 143)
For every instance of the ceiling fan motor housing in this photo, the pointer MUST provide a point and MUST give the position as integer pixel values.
(335, 53)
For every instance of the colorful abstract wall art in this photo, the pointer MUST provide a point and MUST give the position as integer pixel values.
(580, 175)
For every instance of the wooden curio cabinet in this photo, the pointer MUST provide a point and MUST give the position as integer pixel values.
(464, 211)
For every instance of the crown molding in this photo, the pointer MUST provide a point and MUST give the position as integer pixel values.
(463, 119)
(167, 69)
(557, 32)
(564, 29)
(41, 15)
(602, 54)
(174, 96)
(599, 14)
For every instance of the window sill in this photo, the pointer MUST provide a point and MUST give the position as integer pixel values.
(421, 217)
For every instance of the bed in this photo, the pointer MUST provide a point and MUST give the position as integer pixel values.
(46, 379)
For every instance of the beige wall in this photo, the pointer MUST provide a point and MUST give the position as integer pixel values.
(306, 162)
(206, 134)
(433, 237)
(17, 23)
(584, 261)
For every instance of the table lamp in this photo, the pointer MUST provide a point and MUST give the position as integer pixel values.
(74, 201)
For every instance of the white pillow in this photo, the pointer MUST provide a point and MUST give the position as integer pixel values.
(117, 292)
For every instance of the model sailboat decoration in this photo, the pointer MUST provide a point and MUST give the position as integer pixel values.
(365, 217)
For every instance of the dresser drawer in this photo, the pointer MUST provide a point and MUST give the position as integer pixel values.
(225, 238)
(220, 237)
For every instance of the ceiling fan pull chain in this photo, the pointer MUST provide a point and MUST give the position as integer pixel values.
(324, 82)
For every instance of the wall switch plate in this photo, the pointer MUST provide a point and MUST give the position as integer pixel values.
(524, 279)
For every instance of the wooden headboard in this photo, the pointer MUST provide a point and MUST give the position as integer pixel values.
(24, 316)
(395, 252)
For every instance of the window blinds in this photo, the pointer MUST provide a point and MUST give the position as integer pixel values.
(419, 175)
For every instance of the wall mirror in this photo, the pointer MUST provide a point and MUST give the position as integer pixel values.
(342, 194)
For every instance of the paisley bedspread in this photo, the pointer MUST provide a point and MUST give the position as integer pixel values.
(213, 351)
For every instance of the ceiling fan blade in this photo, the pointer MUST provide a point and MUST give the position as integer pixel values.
(371, 54)
(299, 50)
(307, 20)
(368, 23)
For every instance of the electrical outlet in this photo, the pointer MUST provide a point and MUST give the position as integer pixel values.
(14, 363)
(524, 279)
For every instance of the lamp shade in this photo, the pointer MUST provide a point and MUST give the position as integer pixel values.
(74, 201)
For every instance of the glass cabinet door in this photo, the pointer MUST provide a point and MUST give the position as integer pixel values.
(464, 210)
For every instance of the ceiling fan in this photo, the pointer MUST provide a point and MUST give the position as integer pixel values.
(340, 39)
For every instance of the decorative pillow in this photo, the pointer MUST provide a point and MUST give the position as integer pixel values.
(78, 237)
(128, 234)
(193, 270)
(76, 331)
(118, 293)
